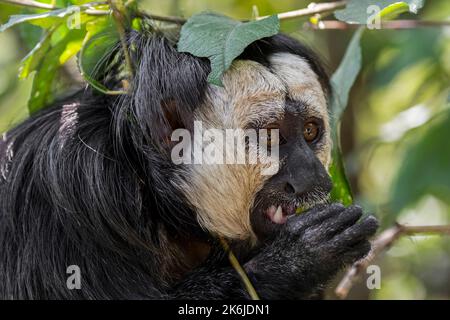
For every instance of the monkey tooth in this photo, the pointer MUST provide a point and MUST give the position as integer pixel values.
(277, 214)
(281, 213)
(278, 217)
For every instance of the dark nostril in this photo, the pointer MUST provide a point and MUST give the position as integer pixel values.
(289, 188)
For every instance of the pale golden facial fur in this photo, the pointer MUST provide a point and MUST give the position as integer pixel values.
(252, 94)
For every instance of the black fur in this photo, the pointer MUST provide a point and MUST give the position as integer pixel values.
(94, 192)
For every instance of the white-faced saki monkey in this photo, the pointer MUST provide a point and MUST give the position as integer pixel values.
(90, 182)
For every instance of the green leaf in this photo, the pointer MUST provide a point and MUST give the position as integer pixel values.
(72, 48)
(222, 39)
(356, 11)
(41, 92)
(100, 40)
(343, 78)
(341, 191)
(35, 56)
(44, 20)
(425, 166)
(341, 83)
(30, 35)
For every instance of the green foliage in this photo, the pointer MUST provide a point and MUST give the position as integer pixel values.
(356, 10)
(60, 41)
(55, 56)
(425, 165)
(45, 20)
(100, 39)
(341, 83)
(344, 77)
(222, 39)
(30, 34)
(33, 59)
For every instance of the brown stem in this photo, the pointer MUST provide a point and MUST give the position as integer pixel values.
(382, 242)
(46, 6)
(310, 10)
(411, 230)
(117, 7)
(313, 9)
(237, 266)
(172, 19)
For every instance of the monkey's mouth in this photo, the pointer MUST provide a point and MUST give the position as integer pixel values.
(268, 215)
(279, 214)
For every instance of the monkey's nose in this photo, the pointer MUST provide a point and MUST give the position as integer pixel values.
(288, 188)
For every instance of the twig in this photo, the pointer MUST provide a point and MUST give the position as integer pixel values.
(120, 20)
(172, 19)
(30, 4)
(237, 266)
(413, 230)
(310, 10)
(46, 6)
(97, 12)
(382, 242)
(394, 24)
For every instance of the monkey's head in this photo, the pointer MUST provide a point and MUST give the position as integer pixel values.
(276, 83)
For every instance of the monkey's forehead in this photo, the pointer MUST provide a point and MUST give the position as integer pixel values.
(255, 93)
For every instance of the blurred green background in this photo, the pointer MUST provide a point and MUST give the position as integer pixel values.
(395, 132)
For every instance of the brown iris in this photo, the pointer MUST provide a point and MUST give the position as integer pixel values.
(311, 131)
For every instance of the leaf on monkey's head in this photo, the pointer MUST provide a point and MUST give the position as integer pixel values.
(222, 39)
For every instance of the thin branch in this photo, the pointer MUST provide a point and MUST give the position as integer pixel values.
(172, 19)
(96, 12)
(120, 20)
(30, 4)
(237, 266)
(46, 6)
(312, 9)
(381, 243)
(414, 230)
(394, 24)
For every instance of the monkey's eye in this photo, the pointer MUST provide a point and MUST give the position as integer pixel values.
(270, 128)
(311, 130)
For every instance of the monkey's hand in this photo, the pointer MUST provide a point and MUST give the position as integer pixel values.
(309, 250)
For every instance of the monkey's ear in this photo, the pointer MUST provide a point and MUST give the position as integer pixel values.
(173, 119)
(167, 88)
(172, 115)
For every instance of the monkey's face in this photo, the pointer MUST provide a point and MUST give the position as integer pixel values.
(240, 201)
